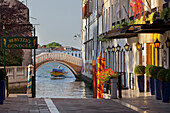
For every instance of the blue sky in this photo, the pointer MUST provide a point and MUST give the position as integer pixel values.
(59, 20)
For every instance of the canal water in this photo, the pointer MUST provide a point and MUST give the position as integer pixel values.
(68, 87)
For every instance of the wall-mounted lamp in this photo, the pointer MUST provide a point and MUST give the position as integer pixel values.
(126, 47)
(139, 46)
(109, 49)
(118, 47)
(167, 42)
(76, 36)
(157, 43)
(113, 48)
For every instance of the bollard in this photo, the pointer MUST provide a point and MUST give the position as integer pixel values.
(113, 88)
(120, 85)
(29, 83)
(94, 80)
(98, 81)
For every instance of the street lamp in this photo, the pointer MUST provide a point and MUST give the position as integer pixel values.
(157, 43)
(118, 47)
(113, 48)
(126, 47)
(76, 36)
(109, 49)
(139, 46)
(167, 42)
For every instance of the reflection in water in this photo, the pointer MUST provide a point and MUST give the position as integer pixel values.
(59, 88)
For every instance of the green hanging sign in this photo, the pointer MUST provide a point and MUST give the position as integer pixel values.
(19, 42)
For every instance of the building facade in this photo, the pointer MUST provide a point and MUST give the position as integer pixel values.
(116, 25)
(68, 50)
(14, 16)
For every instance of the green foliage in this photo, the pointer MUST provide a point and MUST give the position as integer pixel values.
(167, 78)
(124, 23)
(2, 74)
(117, 26)
(13, 57)
(155, 70)
(139, 69)
(165, 13)
(156, 14)
(131, 22)
(107, 78)
(148, 69)
(113, 27)
(44, 45)
(162, 74)
(53, 45)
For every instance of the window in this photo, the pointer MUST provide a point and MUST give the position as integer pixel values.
(106, 21)
(103, 22)
(76, 55)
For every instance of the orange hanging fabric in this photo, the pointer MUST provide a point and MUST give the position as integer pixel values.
(137, 7)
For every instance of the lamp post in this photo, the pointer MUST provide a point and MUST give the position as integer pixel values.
(167, 42)
(139, 46)
(118, 49)
(157, 43)
(126, 47)
(109, 50)
(119, 75)
(113, 50)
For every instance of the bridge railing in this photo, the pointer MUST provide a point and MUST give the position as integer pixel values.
(58, 56)
(17, 74)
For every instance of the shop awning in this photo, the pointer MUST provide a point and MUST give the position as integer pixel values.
(125, 32)
(152, 28)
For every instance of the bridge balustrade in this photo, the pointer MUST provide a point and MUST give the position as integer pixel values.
(58, 56)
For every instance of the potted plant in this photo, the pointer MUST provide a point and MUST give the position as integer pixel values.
(154, 71)
(109, 75)
(165, 86)
(151, 80)
(140, 71)
(2, 85)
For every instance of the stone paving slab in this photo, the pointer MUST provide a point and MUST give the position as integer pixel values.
(90, 106)
(131, 102)
(23, 104)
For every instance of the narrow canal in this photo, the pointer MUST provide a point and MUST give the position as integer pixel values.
(68, 87)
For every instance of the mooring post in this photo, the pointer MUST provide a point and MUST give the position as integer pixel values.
(120, 85)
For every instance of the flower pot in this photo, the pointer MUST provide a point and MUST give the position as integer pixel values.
(2, 92)
(140, 83)
(113, 88)
(158, 89)
(165, 91)
(152, 85)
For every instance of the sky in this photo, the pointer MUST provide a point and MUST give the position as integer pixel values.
(59, 21)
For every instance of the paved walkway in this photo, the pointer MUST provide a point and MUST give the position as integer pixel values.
(132, 102)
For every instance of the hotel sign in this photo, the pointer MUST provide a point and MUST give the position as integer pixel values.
(19, 42)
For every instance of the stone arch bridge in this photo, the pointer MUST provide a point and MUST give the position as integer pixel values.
(73, 63)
